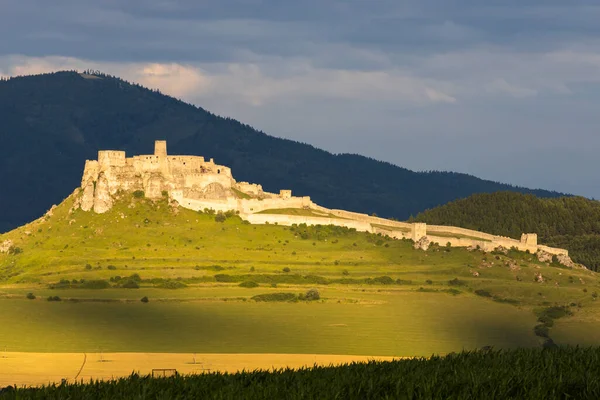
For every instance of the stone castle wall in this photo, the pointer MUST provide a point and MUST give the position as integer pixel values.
(289, 220)
(198, 184)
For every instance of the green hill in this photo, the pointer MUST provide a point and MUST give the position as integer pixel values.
(52, 123)
(567, 222)
(72, 281)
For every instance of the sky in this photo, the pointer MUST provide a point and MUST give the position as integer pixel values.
(505, 90)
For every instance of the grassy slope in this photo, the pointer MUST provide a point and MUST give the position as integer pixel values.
(138, 236)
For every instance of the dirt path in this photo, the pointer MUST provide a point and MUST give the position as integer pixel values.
(34, 369)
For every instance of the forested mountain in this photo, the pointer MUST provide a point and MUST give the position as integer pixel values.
(568, 222)
(52, 123)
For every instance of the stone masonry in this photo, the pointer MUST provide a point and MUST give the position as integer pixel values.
(197, 184)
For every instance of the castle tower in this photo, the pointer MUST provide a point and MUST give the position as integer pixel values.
(160, 148)
(419, 229)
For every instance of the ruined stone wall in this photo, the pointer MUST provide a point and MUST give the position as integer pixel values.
(107, 158)
(244, 206)
(364, 217)
(462, 242)
(252, 189)
(396, 234)
(289, 220)
(254, 205)
(433, 229)
(197, 184)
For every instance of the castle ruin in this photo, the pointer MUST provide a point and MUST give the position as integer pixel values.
(198, 184)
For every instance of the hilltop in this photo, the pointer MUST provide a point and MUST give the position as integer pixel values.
(52, 123)
(569, 222)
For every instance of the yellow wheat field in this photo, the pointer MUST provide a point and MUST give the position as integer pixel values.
(33, 369)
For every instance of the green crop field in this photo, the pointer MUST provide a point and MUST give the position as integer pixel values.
(376, 295)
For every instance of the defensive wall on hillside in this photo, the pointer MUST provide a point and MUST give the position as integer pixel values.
(198, 184)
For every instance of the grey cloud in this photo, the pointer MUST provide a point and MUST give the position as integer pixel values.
(498, 89)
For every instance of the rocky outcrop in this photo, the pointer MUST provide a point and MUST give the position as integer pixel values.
(562, 259)
(422, 244)
(543, 256)
(5, 246)
(501, 249)
(102, 198)
(565, 260)
(87, 198)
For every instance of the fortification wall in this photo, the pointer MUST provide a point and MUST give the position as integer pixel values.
(208, 185)
(462, 242)
(249, 188)
(244, 206)
(250, 206)
(289, 220)
(364, 217)
(396, 234)
(202, 180)
(107, 158)
(433, 229)
(553, 250)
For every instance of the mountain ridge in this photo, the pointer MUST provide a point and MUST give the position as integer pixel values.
(53, 122)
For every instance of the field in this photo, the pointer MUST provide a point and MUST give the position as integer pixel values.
(517, 374)
(73, 283)
(43, 368)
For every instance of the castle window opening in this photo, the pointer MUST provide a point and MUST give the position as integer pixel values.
(218, 171)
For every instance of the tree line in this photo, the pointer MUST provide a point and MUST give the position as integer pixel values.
(568, 222)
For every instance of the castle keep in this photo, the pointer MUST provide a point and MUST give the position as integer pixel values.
(190, 180)
(198, 184)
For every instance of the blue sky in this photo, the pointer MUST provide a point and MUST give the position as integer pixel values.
(505, 90)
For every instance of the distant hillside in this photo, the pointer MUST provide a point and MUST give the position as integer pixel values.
(568, 222)
(51, 123)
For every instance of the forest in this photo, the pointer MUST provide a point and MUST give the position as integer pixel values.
(568, 222)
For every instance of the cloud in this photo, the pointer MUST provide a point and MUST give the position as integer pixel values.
(425, 84)
(503, 87)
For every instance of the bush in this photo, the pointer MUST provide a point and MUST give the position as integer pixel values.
(248, 284)
(546, 320)
(312, 294)
(286, 269)
(456, 282)
(555, 312)
(111, 267)
(144, 299)
(138, 194)
(88, 266)
(383, 280)
(220, 217)
(172, 285)
(483, 293)
(15, 250)
(130, 284)
(30, 296)
(275, 297)
(345, 272)
(53, 298)
(224, 278)
(95, 284)
(429, 282)
(403, 282)
(541, 330)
